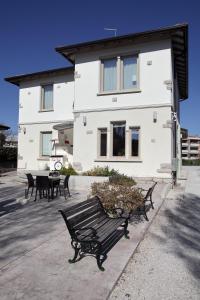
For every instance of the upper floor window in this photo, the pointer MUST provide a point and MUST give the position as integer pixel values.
(110, 74)
(47, 97)
(119, 74)
(129, 71)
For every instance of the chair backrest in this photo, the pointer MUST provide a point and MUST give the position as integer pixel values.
(42, 182)
(82, 214)
(54, 173)
(66, 181)
(30, 180)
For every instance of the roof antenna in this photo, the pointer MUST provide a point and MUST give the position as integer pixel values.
(112, 29)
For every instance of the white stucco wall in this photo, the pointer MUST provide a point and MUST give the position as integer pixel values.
(151, 77)
(32, 121)
(30, 99)
(155, 141)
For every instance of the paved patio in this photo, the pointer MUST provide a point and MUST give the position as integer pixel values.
(35, 247)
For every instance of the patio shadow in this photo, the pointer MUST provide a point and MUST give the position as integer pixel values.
(181, 233)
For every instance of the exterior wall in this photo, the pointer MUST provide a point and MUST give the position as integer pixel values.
(153, 90)
(29, 147)
(32, 121)
(30, 99)
(155, 141)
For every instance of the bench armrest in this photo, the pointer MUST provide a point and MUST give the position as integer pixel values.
(116, 209)
(141, 189)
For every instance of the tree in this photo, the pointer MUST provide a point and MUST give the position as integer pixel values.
(2, 138)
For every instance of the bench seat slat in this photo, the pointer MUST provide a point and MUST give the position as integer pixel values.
(104, 229)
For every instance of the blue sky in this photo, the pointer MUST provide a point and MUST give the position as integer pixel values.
(30, 30)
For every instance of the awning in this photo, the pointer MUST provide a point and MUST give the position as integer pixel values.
(65, 125)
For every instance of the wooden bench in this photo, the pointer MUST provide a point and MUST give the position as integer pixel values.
(93, 231)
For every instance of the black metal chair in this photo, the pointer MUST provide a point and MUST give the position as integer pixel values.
(31, 183)
(43, 186)
(65, 186)
(55, 185)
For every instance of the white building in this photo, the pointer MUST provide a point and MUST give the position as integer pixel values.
(118, 105)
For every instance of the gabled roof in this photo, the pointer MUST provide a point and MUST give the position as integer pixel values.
(42, 74)
(177, 33)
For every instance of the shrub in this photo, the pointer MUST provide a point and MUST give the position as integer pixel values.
(121, 179)
(113, 195)
(191, 162)
(8, 154)
(101, 171)
(68, 171)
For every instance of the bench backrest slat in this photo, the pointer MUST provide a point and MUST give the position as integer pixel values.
(92, 221)
(84, 215)
(80, 207)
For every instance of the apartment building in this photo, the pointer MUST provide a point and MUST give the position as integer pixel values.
(191, 147)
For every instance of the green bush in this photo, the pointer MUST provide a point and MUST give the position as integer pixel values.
(191, 162)
(101, 171)
(121, 179)
(68, 171)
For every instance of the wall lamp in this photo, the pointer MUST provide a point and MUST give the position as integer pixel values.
(84, 120)
(155, 116)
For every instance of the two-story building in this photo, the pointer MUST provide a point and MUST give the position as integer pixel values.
(117, 106)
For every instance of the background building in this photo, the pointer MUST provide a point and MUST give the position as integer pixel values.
(190, 147)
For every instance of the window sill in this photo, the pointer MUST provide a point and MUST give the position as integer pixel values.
(46, 158)
(45, 110)
(119, 92)
(121, 159)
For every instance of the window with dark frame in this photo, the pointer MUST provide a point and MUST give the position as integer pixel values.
(135, 141)
(103, 142)
(119, 132)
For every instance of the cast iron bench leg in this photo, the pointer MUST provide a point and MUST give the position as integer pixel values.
(76, 250)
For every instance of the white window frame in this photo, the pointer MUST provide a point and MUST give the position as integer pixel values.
(42, 109)
(128, 143)
(41, 142)
(119, 70)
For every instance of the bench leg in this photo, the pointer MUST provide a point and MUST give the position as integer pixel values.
(144, 212)
(76, 250)
(151, 202)
(100, 261)
(126, 232)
